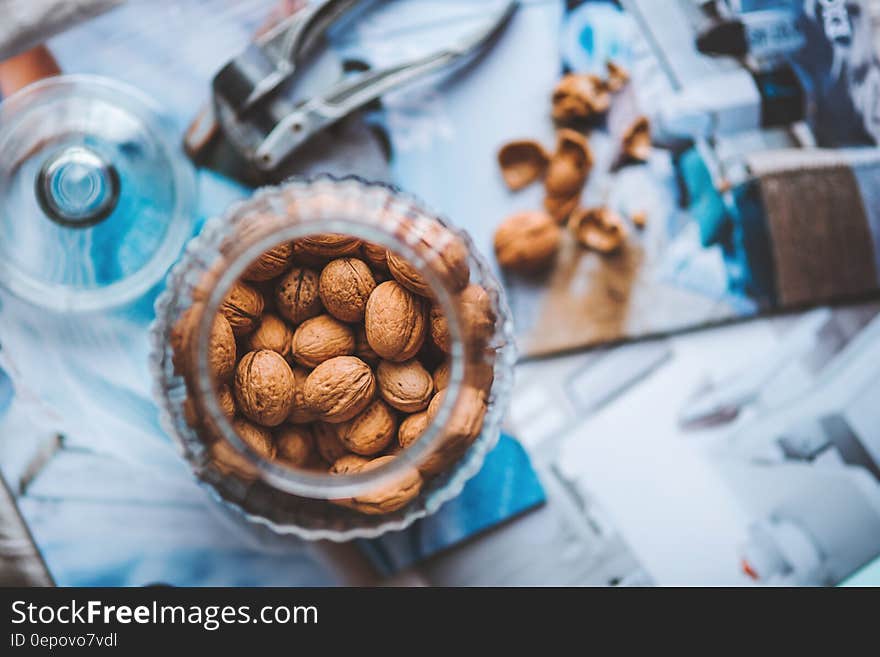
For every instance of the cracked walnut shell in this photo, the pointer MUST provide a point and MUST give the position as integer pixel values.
(321, 338)
(522, 162)
(344, 286)
(579, 97)
(407, 386)
(567, 173)
(637, 140)
(616, 78)
(370, 431)
(527, 241)
(296, 295)
(339, 388)
(599, 229)
(395, 322)
(264, 387)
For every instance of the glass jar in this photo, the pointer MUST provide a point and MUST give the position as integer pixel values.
(311, 503)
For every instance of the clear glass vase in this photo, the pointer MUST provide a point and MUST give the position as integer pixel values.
(296, 500)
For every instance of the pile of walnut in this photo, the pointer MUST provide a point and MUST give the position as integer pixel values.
(529, 241)
(330, 354)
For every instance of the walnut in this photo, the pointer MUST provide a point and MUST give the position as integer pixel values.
(464, 424)
(406, 386)
(477, 315)
(256, 437)
(412, 428)
(297, 295)
(362, 348)
(375, 255)
(637, 140)
(344, 286)
(479, 370)
(567, 173)
(321, 338)
(294, 445)
(443, 251)
(395, 322)
(243, 307)
(339, 388)
(599, 229)
(221, 349)
(226, 401)
(300, 413)
(440, 329)
(329, 446)
(348, 464)
(527, 241)
(370, 431)
(273, 334)
(389, 497)
(270, 264)
(264, 387)
(617, 77)
(579, 97)
(522, 162)
(441, 376)
(327, 245)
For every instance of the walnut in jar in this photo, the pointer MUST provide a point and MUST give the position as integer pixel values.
(412, 428)
(391, 496)
(243, 308)
(264, 387)
(370, 431)
(339, 388)
(294, 445)
(296, 295)
(273, 334)
(406, 386)
(327, 442)
(321, 338)
(395, 322)
(270, 264)
(300, 413)
(443, 251)
(345, 285)
(327, 245)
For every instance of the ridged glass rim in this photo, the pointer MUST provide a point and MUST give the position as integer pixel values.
(437, 491)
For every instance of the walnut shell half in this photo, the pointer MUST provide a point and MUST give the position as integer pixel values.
(264, 387)
(567, 173)
(522, 162)
(637, 140)
(339, 388)
(599, 229)
(527, 241)
(579, 97)
(395, 322)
